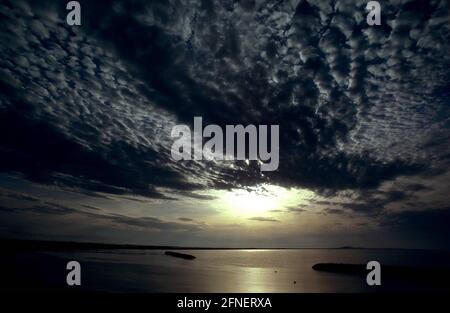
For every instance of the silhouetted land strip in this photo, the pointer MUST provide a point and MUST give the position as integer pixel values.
(435, 275)
(39, 245)
(180, 255)
(42, 245)
(35, 245)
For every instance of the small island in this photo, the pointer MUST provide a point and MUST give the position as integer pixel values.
(340, 268)
(180, 255)
(437, 276)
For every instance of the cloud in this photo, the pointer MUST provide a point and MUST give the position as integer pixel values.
(91, 108)
(295, 210)
(96, 215)
(150, 223)
(91, 207)
(263, 219)
(4, 193)
(44, 209)
(185, 219)
(335, 211)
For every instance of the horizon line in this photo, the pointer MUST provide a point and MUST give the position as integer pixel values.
(57, 244)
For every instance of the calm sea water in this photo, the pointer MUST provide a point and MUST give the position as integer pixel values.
(222, 270)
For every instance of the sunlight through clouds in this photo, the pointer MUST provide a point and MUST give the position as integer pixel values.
(261, 200)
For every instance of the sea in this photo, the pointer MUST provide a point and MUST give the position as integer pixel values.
(218, 271)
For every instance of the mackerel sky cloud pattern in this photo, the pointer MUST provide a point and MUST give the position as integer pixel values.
(363, 111)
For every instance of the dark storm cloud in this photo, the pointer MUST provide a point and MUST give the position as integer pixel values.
(92, 107)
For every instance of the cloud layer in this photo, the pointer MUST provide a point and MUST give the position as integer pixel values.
(92, 107)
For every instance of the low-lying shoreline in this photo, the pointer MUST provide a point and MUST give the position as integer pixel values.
(424, 274)
(36, 245)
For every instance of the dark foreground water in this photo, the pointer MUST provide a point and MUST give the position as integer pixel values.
(213, 270)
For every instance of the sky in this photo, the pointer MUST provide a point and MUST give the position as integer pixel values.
(86, 114)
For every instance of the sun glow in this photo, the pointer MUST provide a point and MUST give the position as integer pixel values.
(261, 200)
(250, 202)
